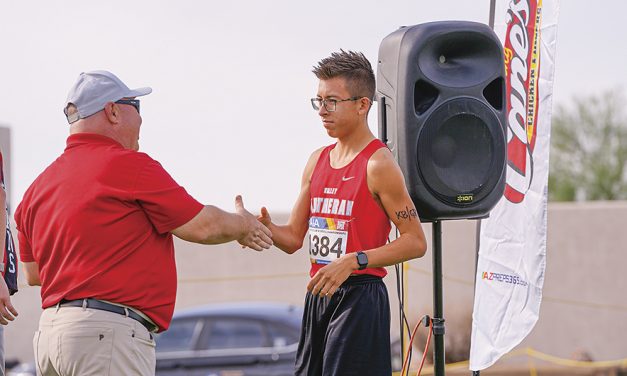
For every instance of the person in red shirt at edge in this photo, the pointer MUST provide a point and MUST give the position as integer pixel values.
(95, 231)
(8, 268)
(349, 192)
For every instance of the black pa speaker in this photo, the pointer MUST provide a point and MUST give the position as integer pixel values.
(442, 112)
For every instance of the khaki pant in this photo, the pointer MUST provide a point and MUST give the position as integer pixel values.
(73, 341)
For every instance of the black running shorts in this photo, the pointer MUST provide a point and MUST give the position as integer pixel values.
(347, 333)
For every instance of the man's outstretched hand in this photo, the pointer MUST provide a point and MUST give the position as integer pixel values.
(256, 235)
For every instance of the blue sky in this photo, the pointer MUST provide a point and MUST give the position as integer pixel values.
(229, 113)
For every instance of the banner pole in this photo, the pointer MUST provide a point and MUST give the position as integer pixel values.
(492, 13)
(478, 232)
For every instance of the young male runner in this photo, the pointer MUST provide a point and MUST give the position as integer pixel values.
(350, 191)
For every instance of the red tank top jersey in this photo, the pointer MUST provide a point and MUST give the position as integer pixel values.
(343, 216)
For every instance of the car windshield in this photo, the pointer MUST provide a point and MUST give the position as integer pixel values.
(282, 335)
(234, 328)
(232, 334)
(180, 336)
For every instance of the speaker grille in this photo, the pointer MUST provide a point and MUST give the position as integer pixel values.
(458, 151)
(462, 145)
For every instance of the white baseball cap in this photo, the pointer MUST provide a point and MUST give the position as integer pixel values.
(93, 90)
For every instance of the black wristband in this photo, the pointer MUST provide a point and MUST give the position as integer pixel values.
(362, 260)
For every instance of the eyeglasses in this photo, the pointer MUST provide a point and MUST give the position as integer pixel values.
(132, 102)
(72, 118)
(329, 104)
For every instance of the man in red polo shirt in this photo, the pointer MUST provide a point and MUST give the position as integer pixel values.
(95, 231)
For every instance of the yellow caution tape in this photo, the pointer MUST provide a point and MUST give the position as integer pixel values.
(535, 354)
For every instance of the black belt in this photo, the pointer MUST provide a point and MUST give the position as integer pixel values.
(104, 306)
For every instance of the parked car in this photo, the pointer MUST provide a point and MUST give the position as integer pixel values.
(235, 339)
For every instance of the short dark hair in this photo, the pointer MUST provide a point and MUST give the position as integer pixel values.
(354, 67)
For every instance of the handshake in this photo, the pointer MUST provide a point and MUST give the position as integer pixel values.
(256, 233)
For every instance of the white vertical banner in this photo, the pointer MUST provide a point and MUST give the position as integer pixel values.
(512, 251)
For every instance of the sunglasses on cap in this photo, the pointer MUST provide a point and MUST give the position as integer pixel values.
(132, 102)
(71, 118)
